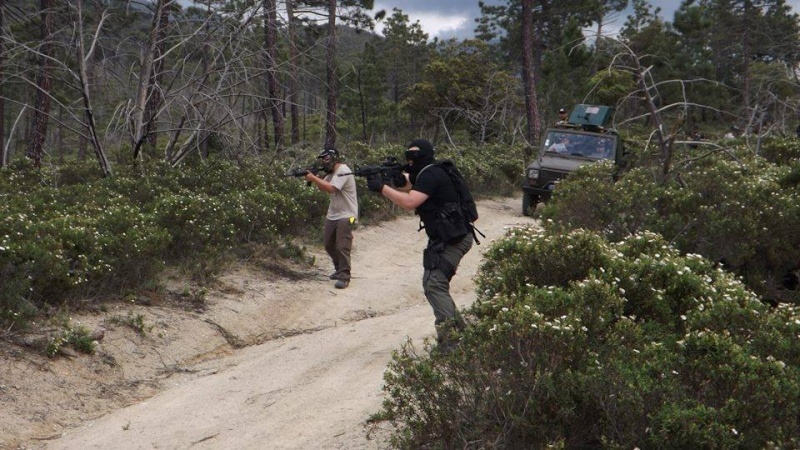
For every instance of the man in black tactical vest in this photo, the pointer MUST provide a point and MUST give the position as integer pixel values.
(432, 194)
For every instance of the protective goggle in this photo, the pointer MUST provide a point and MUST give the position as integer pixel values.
(412, 154)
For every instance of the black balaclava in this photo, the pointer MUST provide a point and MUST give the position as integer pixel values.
(419, 159)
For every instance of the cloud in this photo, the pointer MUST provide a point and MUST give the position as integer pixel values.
(439, 25)
(439, 18)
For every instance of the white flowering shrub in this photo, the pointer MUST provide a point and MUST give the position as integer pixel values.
(578, 342)
(67, 233)
(781, 150)
(741, 213)
(52, 248)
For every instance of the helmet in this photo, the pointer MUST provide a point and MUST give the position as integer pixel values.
(328, 152)
(562, 111)
(329, 157)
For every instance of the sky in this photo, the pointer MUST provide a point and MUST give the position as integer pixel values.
(439, 18)
(456, 18)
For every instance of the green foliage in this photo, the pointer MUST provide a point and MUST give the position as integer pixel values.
(575, 342)
(739, 212)
(77, 338)
(611, 86)
(490, 169)
(137, 322)
(463, 86)
(770, 80)
(74, 239)
(199, 222)
(68, 233)
(781, 151)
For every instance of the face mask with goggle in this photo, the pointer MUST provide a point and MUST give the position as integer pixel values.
(412, 155)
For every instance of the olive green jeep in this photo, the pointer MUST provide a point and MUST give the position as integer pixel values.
(582, 139)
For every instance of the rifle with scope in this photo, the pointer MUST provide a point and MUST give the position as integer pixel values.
(389, 171)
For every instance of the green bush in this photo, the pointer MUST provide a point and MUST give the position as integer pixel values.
(198, 225)
(577, 342)
(78, 338)
(492, 169)
(87, 249)
(781, 150)
(67, 232)
(741, 213)
(295, 203)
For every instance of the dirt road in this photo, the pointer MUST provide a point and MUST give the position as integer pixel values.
(269, 364)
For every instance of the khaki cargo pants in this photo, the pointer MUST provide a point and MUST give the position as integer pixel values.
(338, 239)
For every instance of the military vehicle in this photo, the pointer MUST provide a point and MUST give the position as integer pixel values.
(582, 139)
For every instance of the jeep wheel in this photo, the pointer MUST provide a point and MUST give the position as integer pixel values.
(529, 202)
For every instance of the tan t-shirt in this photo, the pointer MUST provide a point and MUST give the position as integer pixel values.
(344, 202)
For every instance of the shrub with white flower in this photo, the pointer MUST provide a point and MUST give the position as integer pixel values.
(736, 209)
(627, 344)
(68, 233)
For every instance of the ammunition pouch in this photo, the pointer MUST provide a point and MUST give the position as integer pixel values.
(433, 259)
(449, 224)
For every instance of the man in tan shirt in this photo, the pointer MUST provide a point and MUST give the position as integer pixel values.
(342, 213)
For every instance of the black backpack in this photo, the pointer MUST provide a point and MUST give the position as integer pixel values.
(468, 208)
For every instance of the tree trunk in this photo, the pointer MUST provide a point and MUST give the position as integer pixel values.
(43, 86)
(200, 134)
(746, 52)
(271, 47)
(363, 106)
(60, 134)
(330, 116)
(265, 135)
(3, 155)
(154, 96)
(291, 95)
(83, 73)
(139, 121)
(531, 111)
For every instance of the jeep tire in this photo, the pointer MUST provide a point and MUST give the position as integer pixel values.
(529, 202)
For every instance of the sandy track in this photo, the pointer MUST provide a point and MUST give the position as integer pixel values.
(270, 364)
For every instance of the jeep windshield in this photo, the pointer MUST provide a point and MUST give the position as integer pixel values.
(583, 145)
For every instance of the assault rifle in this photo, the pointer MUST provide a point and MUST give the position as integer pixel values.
(390, 172)
(302, 171)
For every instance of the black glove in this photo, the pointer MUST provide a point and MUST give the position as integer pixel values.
(399, 180)
(374, 183)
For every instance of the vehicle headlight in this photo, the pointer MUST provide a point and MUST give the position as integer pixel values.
(533, 174)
